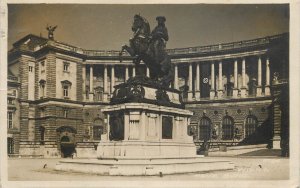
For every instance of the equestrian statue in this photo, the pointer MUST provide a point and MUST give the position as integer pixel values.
(150, 48)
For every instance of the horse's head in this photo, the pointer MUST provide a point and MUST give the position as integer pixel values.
(140, 23)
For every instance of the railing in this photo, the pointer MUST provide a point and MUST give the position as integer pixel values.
(176, 51)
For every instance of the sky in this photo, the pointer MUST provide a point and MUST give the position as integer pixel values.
(108, 27)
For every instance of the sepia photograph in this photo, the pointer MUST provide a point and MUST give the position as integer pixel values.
(155, 93)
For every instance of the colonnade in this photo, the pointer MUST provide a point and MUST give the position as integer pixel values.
(107, 91)
(215, 93)
(218, 93)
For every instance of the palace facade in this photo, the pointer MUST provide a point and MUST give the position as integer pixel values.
(238, 92)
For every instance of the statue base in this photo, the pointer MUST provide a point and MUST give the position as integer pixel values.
(147, 134)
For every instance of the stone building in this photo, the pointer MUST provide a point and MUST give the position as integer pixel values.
(56, 92)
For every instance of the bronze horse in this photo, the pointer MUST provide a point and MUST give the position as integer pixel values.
(141, 47)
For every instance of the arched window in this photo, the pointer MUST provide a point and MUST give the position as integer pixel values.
(250, 125)
(227, 128)
(42, 88)
(205, 129)
(97, 131)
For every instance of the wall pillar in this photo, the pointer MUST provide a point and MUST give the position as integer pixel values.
(83, 82)
(235, 86)
(212, 88)
(105, 92)
(176, 77)
(197, 92)
(220, 83)
(259, 73)
(147, 72)
(267, 86)
(91, 95)
(126, 73)
(112, 80)
(243, 88)
(190, 92)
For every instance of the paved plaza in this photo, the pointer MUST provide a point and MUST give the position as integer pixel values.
(246, 168)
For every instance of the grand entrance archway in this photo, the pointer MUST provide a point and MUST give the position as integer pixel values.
(67, 144)
(67, 147)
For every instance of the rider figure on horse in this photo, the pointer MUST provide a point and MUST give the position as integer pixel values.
(159, 37)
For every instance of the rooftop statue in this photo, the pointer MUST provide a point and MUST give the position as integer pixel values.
(51, 30)
(150, 48)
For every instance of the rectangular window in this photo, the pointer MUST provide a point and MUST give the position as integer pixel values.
(43, 66)
(167, 127)
(66, 91)
(10, 120)
(66, 66)
(30, 68)
(10, 101)
(10, 145)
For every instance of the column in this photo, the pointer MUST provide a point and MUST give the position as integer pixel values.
(126, 126)
(267, 86)
(190, 92)
(126, 73)
(133, 71)
(220, 83)
(243, 88)
(147, 72)
(259, 88)
(112, 80)
(235, 74)
(212, 74)
(105, 92)
(197, 92)
(176, 77)
(91, 95)
(83, 82)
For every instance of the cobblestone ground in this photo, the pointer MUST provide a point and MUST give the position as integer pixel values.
(246, 168)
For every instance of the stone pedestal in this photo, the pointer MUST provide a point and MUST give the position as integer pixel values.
(220, 94)
(147, 134)
(91, 96)
(147, 130)
(258, 91)
(197, 95)
(235, 93)
(190, 95)
(105, 97)
(212, 94)
(267, 90)
(243, 92)
(276, 142)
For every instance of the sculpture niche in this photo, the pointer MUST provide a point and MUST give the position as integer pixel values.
(150, 48)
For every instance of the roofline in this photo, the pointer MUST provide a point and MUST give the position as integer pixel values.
(170, 49)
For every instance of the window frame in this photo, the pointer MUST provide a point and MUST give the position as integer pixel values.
(98, 137)
(246, 125)
(10, 116)
(66, 67)
(208, 127)
(228, 128)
